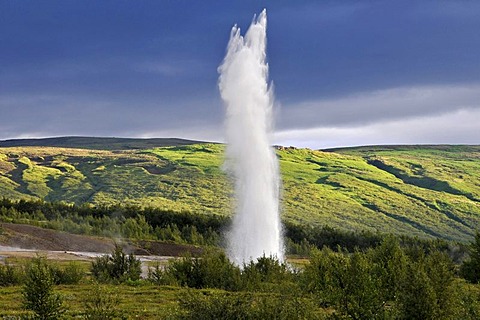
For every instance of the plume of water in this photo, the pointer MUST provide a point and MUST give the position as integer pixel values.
(248, 97)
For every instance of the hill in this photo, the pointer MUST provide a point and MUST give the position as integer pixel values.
(425, 191)
(97, 143)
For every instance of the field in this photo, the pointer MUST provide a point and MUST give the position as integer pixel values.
(141, 302)
(424, 191)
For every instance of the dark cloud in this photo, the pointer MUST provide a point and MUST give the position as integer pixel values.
(149, 68)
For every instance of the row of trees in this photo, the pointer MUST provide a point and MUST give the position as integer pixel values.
(183, 227)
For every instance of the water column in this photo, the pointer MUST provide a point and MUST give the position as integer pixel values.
(256, 228)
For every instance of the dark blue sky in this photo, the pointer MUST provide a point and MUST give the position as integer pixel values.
(345, 72)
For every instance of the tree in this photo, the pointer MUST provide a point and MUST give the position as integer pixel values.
(390, 266)
(441, 271)
(428, 291)
(470, 269)
(346, 281)
(416, 299)
(38, 295)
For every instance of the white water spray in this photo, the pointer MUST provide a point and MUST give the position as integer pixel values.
(256, 228)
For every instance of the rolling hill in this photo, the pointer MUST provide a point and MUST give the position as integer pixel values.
(97, 143)
(425, 191)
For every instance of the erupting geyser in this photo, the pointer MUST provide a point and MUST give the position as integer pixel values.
(256, 228)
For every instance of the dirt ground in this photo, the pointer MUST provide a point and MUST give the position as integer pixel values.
(26, 241)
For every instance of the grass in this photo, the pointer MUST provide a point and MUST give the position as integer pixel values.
(424, 191)
(145, 301)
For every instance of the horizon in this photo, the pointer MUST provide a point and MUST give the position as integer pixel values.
(345, 74)
(219, 142)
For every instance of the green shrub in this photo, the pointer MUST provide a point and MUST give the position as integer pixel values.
(71, 274)
(245, 306)
(38, 294)
(10, 275)
(157, 275)
(355, 289)
(100, 304)
(214, 270)
(117, 267)
(416, 300)
(211, 270)
(441, 272)
(265, 274)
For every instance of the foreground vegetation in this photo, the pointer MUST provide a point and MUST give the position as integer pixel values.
(387, 282)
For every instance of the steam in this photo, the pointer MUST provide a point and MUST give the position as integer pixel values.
(256, 228)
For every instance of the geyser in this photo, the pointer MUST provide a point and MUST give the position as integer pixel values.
(256, 228)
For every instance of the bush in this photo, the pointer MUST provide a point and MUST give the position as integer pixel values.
(157, 275)
(38, 295)
(71, 274)
(245, 306)
(211, 270)
(100, 304)
(117, 267)
(10, 275)
(265, 274)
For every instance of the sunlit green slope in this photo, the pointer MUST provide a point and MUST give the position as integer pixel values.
(431, 191)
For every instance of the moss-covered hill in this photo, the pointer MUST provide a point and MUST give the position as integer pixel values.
(429, 191)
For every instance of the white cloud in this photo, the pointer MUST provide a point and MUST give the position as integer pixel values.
(169, 68)
(457, 127)
(383, 105)
(428, 114)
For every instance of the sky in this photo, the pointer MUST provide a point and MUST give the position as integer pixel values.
(345, 73)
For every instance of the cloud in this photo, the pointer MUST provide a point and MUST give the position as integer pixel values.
(429, 114)
(43, 115)
(170, 67)
(457, 127)
(382, 105)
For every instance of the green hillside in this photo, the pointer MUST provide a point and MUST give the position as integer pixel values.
(427, 191)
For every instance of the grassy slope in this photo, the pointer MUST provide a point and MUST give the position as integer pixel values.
(424, 191)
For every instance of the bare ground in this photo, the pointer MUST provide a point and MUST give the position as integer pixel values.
(55, 242)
